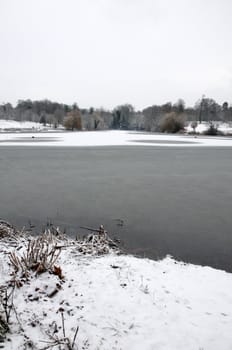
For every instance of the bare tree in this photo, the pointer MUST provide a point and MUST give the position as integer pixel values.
(73, 120)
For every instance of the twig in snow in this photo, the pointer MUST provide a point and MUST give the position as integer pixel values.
(65, 341)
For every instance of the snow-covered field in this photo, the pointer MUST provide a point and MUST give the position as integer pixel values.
(35, 134)
(13, 125)
(121, 302)
(109, 138)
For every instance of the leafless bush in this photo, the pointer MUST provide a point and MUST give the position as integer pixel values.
(172, 122)
(3, 329)
(73, 120)
(194, 126)
(6, 307)
(6, 229)
(6, 303)
(97, 244)
(212, 130)
(9, 234)
(40, 255)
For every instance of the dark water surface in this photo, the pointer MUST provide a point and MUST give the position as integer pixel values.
(173, 200)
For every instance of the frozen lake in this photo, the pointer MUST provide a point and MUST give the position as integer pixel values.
(173, 200)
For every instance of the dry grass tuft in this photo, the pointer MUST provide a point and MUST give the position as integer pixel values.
(40, 255)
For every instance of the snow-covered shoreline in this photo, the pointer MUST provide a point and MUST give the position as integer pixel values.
(110, 138)
(121, 302)
(35, 134)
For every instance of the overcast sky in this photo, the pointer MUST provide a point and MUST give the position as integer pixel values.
(103, 53)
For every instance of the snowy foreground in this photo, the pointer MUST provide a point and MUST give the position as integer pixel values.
(120, 302)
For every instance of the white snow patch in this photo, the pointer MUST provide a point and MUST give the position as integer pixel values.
(226, 128)
(14, 126)
(123, 302)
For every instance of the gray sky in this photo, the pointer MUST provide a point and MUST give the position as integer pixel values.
(103, 53)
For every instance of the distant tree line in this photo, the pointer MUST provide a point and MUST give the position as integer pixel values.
(167, 117)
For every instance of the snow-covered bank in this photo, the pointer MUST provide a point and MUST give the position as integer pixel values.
(225, 128)
(121, 302)
(110, 138)
(14, 126)
(36, 134)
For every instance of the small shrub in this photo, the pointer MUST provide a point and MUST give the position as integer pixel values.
(7, 230)
(194, 126)
(212, 130)
(172, 123)
(40, 256)
(6, 308)
(4, 328)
